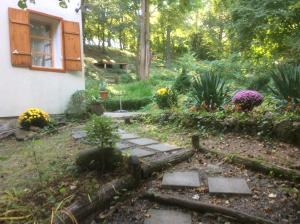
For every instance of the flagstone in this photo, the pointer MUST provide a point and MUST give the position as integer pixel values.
(181, 179)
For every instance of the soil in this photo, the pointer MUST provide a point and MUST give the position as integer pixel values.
(271, 198)
(273, 151)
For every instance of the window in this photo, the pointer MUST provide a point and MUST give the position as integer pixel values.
(46, 42)
(41, 44)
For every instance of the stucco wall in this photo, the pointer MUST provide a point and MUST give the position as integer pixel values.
(22, 88)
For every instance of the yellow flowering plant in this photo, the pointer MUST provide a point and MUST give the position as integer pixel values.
(165, 98)
(34, 117)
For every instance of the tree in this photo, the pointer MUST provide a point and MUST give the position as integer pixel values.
(144, 55)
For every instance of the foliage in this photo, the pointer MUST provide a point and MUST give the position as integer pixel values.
(286, 82)
(77, 107)
(101, 132)
(165, 98)
(127, 104)
(260, 82)
(209, 91)
(182, 82)
(102, 86)
(34, 117)
(246, 100)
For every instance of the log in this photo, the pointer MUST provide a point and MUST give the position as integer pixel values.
(100, 200)
(203, 207)
(158, 165)
(257, 165)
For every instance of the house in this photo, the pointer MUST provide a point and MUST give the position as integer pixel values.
(41, 56)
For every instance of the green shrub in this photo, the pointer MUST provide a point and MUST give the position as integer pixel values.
(259, 82)
(209, 91)
(77, 107)
(182, 83)
(101, 131)
(127, 104)
(165, 98)
(286, 83)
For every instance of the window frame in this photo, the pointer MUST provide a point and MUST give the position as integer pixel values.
(60, 21)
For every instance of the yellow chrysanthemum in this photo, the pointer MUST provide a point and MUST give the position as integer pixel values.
(162, 91)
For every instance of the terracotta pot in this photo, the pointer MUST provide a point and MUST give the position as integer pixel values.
(104, 95)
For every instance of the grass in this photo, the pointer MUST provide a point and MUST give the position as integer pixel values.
(36, 177)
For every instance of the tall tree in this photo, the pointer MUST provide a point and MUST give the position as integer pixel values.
(144, 55)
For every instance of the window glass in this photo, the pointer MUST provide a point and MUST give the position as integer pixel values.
(41, 44)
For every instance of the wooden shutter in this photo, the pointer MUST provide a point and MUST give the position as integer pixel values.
(19, 27)
(72, 46)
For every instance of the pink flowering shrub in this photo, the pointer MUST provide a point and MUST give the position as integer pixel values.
(246, 100)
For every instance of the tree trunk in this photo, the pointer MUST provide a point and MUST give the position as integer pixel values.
(168, 48)
(103, 37)
(83, 21)
(144, 46)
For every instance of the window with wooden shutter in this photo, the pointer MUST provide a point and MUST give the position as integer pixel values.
(19, 37)
(72, 46)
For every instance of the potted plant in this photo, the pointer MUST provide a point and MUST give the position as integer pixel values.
(103, 90)
(96, 106)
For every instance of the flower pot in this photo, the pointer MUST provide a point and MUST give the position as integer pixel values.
(97, 108)
(104, 95)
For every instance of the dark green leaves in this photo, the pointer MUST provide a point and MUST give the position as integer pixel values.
(209, 91)
(286, 83)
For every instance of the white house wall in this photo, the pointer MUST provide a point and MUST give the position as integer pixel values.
(22, 88)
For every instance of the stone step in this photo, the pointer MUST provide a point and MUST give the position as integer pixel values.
(181, 179)
(163, 216)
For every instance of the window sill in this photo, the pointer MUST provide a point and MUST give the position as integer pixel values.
(48, 69)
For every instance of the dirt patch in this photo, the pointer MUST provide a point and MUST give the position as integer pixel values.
(276, 152)
(271, 198)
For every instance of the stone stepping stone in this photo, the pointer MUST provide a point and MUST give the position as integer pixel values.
(143, 141)
(160, 216)
(79, 134)
(127, 136)
(181, 179)
(163, 147)
(224, 185)
(121, 131)
(122, 146)
(138, 152)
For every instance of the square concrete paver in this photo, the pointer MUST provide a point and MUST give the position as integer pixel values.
(138, 152)
(126, 136)
(159, 216)
(143, 141)
(79, 134)
(163, 147)
(181, 179)
(122, 146)
(223, 185)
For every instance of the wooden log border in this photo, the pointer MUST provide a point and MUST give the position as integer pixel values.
(204, 207)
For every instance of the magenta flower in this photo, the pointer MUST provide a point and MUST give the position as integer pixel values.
(246, 100)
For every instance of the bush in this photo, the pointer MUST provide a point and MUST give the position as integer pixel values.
(286, 83)
(182, 83)
(246, 100)
(260, 82)
(34, 117)
(101, 131)
(77, 107)
(127, 104)
(209, 91)
(165, 98)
